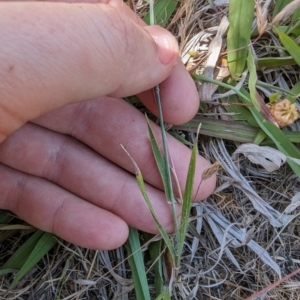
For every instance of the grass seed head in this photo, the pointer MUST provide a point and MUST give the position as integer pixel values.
(284, 112)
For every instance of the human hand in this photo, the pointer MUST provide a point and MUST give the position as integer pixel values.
(65, 172)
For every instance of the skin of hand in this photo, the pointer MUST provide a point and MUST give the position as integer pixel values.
(61, 165)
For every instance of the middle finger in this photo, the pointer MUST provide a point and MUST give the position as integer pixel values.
(80, 170)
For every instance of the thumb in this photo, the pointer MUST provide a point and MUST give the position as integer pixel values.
(53, 54)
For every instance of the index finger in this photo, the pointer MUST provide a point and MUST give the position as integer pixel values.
(180, 100)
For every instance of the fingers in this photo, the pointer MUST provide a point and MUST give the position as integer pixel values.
(78, 169)
(53, 209)
(106, 123)
(61, 53)
(180, 99)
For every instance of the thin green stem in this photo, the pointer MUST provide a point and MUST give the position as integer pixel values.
(166, 153)
(165, 144)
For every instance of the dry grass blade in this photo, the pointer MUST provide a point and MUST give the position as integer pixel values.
(229, 234)
(213, 169)
(240, 182)
(207, 89)
(261, 17)
(271, 286)
(287, 11)
(295, 202)
(270, 158)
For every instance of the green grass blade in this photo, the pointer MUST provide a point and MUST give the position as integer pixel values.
(44, 244)
(163, 11)
(18, 259)
(187, 199)
(261, 136)
(5, 217)
(181, 139)
(238, 111)
(296, 18)
(141, 184)
(162, 231)
(296, 91)
(279, 5)
(137, 265)
(228, 130)
(274, 62)
(238, 38)
(256, 99)
(231, 130)
(164, 295)
(155, 251)
(291, 47)
(7, 271)
(275, 88)
(161, 164)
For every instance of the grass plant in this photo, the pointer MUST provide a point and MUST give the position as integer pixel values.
(242, 242)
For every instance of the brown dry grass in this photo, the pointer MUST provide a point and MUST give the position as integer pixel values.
(208, 271)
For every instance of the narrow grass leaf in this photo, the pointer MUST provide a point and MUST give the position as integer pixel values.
(261, 136)
(279, 5)
(155, 249)
(228, 130)
(164, 295)
(181, 139)
(163, 11)
(231, 130)
(6, 234)
(287, 11)
(142, 187)
(18, 259)
(296, 18)
(274, 62)
(275, 88)
(158, 224)
(137, 265)
(296, 91)
(7, 271)
(161, 164)
(238, 37)
(237, 110)
(44, 244)
(256, 99)
(5, 217)
(187, 198)
(16, 227)
(291, 47)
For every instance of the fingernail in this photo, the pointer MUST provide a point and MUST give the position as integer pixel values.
(167, 44)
